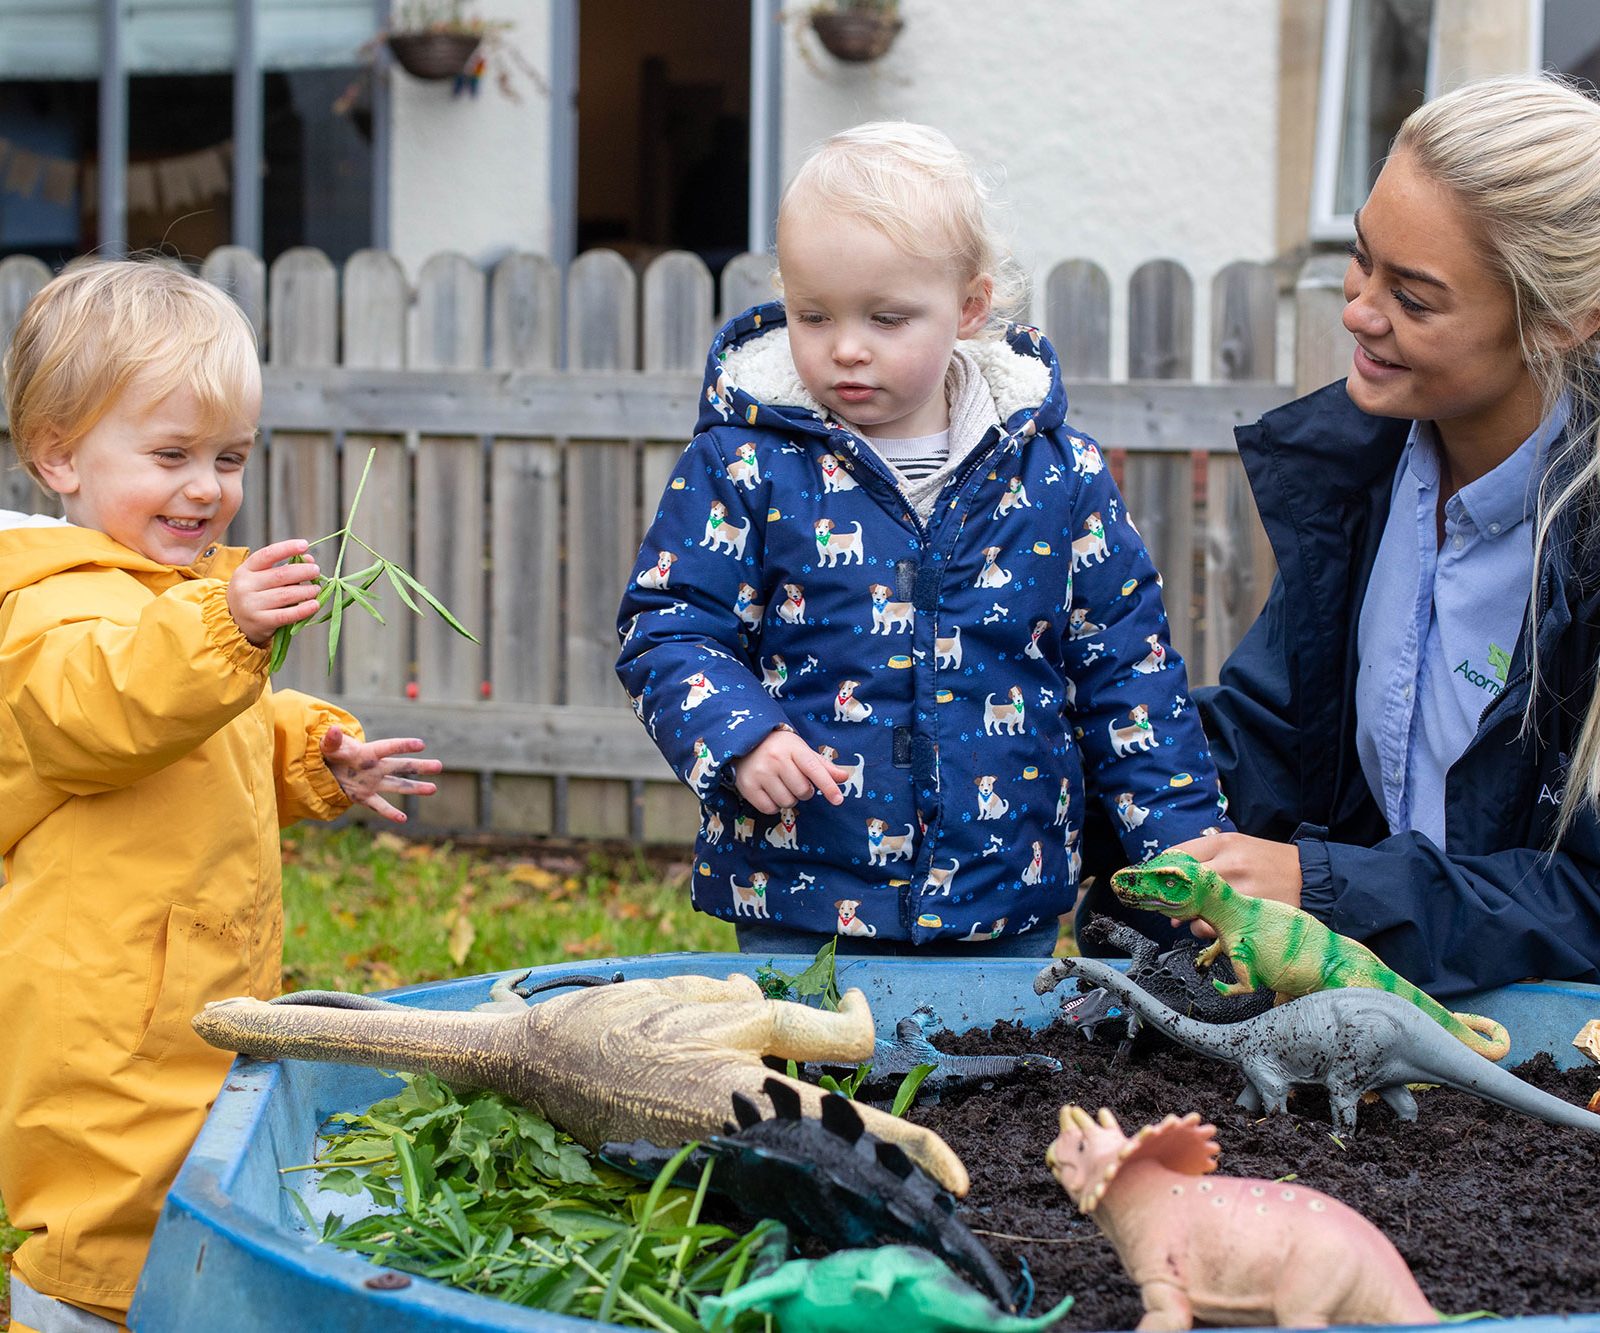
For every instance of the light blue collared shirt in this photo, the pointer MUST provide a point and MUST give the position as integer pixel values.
(1440, 621)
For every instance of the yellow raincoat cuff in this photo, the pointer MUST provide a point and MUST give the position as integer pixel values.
(224, 631)
(307, 789)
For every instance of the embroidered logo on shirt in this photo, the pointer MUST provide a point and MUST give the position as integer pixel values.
(1499, 664)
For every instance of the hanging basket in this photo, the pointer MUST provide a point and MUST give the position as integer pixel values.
(855, 37)
(433, 55)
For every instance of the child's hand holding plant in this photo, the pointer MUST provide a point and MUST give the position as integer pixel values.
(264, 596)
(336, 592)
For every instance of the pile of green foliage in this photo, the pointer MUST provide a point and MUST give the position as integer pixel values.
(482, 1194)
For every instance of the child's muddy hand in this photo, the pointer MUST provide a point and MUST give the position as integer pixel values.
(264, 595)
(783, 771)
(366, 770)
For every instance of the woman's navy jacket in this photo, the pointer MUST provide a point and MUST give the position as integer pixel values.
(1499, 906)
(979, 670)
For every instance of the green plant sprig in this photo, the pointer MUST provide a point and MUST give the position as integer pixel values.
(819, 980)
(337, 592)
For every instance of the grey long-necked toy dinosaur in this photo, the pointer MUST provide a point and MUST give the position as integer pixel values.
(651, 1059)
(1353, 1040)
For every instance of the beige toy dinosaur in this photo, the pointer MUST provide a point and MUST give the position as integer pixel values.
(1226, 1250)
(652, 1059)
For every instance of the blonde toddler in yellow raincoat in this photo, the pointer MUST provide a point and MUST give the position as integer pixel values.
(146, 765)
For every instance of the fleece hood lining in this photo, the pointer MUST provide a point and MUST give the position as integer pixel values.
(764, 369)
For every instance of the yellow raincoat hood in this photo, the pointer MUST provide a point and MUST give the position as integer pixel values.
(146, 767)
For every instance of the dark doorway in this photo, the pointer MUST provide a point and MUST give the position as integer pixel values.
(664, 127)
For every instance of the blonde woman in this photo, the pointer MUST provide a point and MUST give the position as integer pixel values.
(1410, 734)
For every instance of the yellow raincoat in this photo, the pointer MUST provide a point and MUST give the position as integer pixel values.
(145, 769)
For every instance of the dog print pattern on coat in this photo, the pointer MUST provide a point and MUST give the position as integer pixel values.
(973, 673)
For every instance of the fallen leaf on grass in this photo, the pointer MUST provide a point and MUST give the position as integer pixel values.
(391, 842)
(530, 875)
(462, 935)
(593, 947)
(382, 976)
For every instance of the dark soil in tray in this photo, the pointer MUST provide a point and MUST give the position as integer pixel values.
(1493, 1210)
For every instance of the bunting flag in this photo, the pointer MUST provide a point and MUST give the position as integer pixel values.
(60, 176)
(23, 171)
(164, 185)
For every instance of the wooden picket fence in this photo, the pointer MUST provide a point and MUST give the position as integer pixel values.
(525, 422)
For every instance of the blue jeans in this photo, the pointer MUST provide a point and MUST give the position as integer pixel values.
(759, 938)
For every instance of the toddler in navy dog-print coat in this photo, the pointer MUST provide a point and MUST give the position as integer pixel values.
(887, 570)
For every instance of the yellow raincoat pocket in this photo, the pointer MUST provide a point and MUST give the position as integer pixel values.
(169, 991)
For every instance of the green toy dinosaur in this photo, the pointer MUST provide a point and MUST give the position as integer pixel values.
(1271, 944)
(896, 1287)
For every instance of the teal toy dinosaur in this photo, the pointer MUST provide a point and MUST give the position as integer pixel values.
(1273, 945)
(895, 1287)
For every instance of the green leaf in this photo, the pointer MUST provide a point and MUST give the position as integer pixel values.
(674, 1317)
(444, 612)
(280, 649)
(358, 597)
(337, 606)
(408, 1175)
(906, 1093)
(302, 1208)
(341, 1180)
(486, 1208)
(400, 587)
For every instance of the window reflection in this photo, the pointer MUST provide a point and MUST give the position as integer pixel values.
(317, 187)
(1385, 81)
(180, 163)
(48, 137)
(316, 161)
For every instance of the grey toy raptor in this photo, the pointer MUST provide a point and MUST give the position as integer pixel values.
(1352, 1040)
(895, 1057)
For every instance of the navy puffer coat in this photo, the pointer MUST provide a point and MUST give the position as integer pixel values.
(977, 672)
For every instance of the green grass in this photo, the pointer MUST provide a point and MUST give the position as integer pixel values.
(368, 911)
(10, 1238)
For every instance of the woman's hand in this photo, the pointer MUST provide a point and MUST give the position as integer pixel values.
(1255, 866)
(366, 769)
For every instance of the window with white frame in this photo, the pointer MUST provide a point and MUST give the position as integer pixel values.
(1377, 67)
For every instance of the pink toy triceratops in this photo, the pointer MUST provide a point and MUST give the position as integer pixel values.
(1226, 1249)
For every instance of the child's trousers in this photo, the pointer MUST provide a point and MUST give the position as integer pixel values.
(34, 1313)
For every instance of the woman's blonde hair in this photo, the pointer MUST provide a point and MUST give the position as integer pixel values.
(1523, 156)
(102, 324)
(912, 184)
